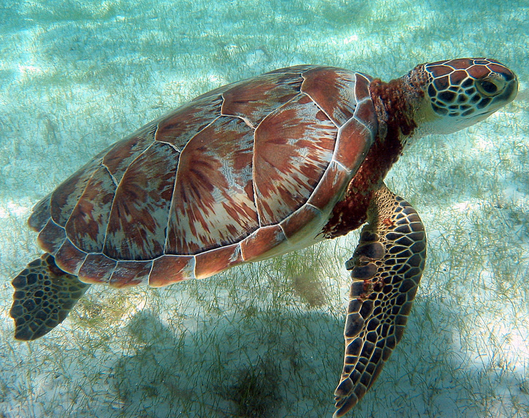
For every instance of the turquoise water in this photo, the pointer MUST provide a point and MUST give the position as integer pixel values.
(75, 77)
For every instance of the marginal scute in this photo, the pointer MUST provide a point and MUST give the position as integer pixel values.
(130, 273)
(362, 86)
(365, 112)
(216, 260)
(171, 269)
(330, 187)
(41, 213)
(353, 144)
(262, 241)
(97, 268)
(299, 220)
(51, 237)
(69, 257)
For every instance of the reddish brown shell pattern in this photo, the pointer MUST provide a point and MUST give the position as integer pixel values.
(245, 172)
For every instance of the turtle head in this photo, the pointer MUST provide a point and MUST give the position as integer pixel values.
(460, 92)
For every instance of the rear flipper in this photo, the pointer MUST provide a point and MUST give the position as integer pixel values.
(44, 295)
(386, 269)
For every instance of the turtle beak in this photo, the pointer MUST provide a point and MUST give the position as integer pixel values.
(511, 91)
(510, 81)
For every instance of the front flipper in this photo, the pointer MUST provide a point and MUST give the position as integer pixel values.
(386, 269)
(44, 295)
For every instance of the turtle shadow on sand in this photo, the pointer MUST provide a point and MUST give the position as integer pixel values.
(241, 367)
(280, 364)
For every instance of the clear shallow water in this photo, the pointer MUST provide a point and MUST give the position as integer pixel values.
(76, 77)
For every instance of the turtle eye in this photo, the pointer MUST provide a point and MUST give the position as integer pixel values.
(490, 86)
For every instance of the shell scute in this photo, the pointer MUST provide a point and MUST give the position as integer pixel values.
(87, 223)
(178, 127)
(333, 90)
(140, 209)
(254, 99)
(299, 220)
(295, 69)
(40, 215)
(293, 147)
(118, 158)
(51, 237)
(330, 187)
(365, 113)
(213, 201)
(362, 87)
(64, 199)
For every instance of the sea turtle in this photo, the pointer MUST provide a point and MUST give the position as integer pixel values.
(256, 169)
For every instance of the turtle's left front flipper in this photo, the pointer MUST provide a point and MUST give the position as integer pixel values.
(44, 295)
(386, 269)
